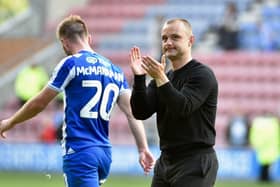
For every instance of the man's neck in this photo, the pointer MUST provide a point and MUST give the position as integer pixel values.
(179, 63)
(82, 48)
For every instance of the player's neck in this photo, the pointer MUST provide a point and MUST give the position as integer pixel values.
(84, 47)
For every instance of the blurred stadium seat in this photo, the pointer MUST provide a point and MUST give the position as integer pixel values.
(23, 47)
(249, 80)
(96, 11)
(249, 36)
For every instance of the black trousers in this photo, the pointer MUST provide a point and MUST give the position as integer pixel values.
(192, 171)
(264, 175)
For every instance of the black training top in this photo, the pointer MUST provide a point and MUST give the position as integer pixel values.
(185, 106)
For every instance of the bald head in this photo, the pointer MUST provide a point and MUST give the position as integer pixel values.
(177, 40)
(185, 22)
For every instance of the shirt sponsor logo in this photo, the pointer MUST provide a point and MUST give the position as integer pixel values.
(91, 60)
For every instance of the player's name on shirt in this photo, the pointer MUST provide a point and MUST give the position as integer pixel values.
(99, 70)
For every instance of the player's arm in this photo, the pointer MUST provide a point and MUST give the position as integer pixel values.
(137, 128)
(30, 109)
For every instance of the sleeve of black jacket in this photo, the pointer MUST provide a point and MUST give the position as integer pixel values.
(143, 101)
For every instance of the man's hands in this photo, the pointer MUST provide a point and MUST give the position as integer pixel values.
(146, 64)
(147, 161)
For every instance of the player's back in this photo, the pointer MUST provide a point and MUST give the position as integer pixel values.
(92, 85)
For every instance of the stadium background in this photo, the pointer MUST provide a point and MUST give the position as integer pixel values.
(248, 77)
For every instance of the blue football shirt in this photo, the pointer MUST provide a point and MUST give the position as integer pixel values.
(91, 85)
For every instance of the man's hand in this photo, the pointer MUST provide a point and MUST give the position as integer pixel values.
(5, 125)
(136, 61)
(155, 69)
(147, 161)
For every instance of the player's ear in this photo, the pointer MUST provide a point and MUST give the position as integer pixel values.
(65, 42)
(90, 39)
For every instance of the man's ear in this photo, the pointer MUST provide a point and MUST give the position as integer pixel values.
(65, 43)
(90, 39)
(191, 40)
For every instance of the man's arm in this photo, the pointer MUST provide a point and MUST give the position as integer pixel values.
(137, 128)
(143, 99)
(29, 109)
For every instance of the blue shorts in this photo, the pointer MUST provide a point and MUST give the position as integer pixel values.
(87, 168)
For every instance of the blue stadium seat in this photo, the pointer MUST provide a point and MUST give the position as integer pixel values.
(269, 13)
(249, 36)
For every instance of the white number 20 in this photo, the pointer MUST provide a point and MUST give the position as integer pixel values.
(86, 110)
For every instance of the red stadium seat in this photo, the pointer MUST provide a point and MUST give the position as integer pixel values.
(96, 11)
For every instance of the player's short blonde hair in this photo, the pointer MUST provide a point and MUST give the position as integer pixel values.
(72, 28)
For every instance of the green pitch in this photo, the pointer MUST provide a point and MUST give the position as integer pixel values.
(9, 179)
